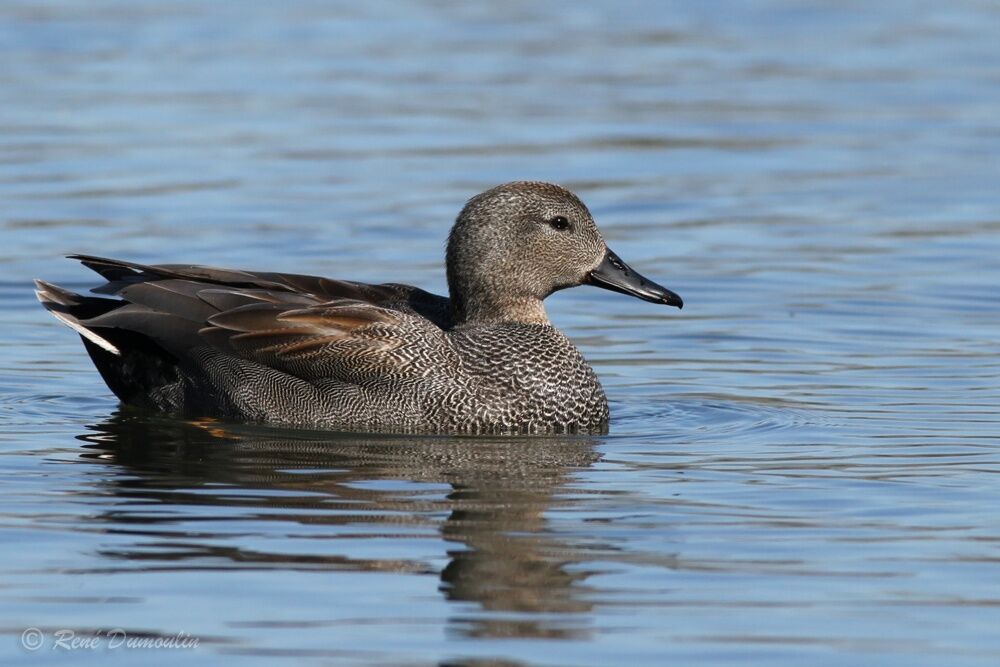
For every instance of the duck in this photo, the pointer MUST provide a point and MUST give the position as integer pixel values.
(209, 343)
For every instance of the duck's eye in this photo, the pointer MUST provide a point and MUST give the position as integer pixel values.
(559, 223)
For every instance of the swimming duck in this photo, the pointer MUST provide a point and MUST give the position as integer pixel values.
(310, 351)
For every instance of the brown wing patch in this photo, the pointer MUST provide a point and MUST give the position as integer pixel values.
(341, 314)
(347, 339)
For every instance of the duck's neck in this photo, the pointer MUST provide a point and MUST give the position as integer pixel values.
(522, 310)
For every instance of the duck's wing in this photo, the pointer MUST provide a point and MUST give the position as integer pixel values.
(404, 298)
(313, 328)
(342, 339)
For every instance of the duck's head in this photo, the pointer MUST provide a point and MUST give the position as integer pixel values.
(517, 243)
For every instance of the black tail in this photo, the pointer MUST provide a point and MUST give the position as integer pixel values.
(134, 367)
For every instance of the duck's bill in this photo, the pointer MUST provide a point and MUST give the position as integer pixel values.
(614, 274)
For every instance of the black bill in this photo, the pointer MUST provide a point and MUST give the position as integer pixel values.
(614, 274)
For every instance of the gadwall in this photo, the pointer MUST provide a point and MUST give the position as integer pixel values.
(309, 351)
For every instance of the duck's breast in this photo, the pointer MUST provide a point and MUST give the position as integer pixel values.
(518, 375)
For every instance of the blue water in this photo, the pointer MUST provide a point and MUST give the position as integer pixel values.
(803, 463)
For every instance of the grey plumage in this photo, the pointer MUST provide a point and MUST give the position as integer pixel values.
(282, 348)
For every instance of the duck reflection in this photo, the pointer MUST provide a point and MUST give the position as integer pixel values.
(492, 493)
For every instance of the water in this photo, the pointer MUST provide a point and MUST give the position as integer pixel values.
(802, 467)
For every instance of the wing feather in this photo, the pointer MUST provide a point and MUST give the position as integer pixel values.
(311, 327)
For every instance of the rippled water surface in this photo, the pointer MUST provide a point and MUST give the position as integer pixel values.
(802, 466)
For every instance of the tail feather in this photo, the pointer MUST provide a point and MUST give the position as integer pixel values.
(135, 367)
(70, 307)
